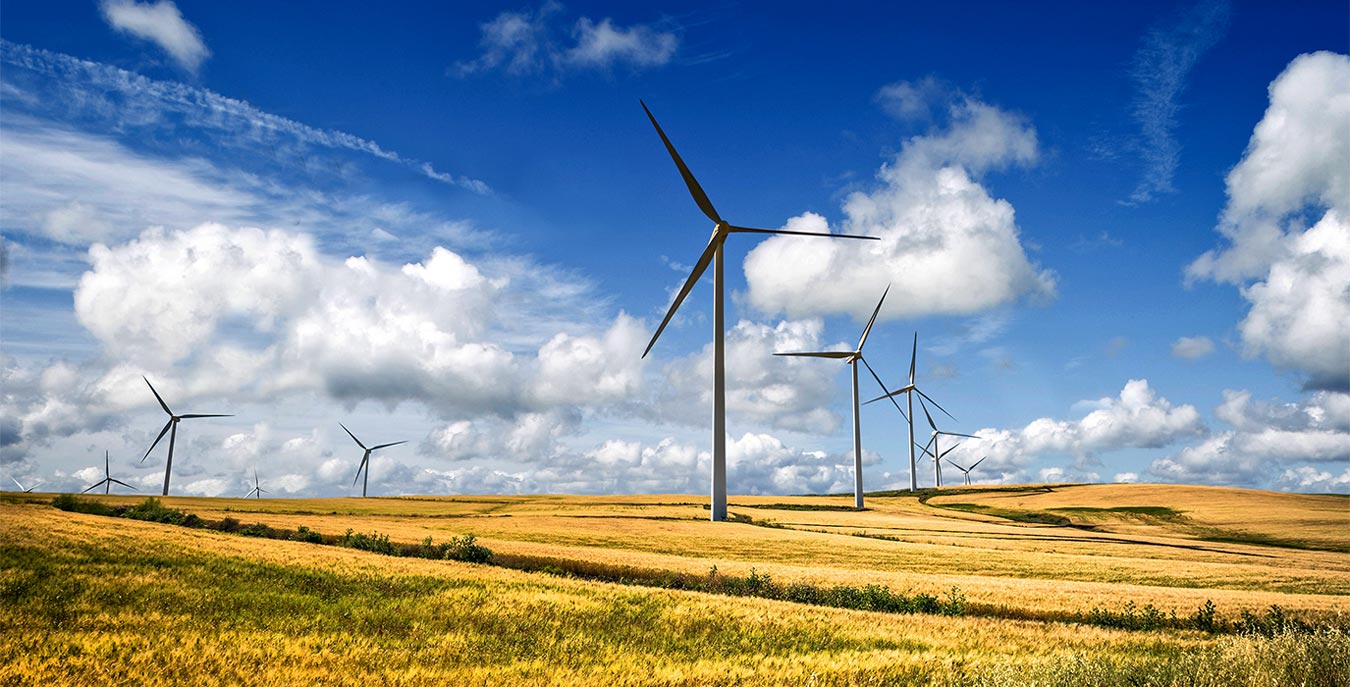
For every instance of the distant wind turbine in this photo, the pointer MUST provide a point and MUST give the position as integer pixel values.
(966, 471)
(365, 459)
(933, 441)
(713, 254)
(26, 490)
(256, 488)
(852, 358)
(171, 427)
(108, 480)
(909, 392)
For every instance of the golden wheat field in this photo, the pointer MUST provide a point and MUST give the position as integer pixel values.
(1029, 584)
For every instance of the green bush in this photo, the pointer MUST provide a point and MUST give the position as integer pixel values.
(75, 504)
(151, 510)
(305, 534)
(257, 529)
(374, 542)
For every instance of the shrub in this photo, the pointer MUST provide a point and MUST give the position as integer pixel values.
(465, 548)
(1203, 618)
(374, 542)
(151, 510)
(257, 529)
(305, 534)
(74, 504)
(229, 525)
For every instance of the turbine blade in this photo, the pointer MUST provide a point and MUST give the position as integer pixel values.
(955, 465)
(21, 488)
(162, 404)
(86, 491)
(195, 415)
(935, 403)
(818, 354)
(162, 432)
(353, 436)
(876, 312)
(118, 481)
(699, 268)
(953, 448)
(913, 357)
(897, 392)
(883, 386)
(396, 443)
(930, 443)
(925, 412)
(694, 189)
(958, 434)
(750, 230)
(977, 463)
(359, 468)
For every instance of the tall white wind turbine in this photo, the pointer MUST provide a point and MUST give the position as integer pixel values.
(852, 358)
(107, 480)
(909, 392)
(933, 441)
(257, 488)
(22, 488)
(966, 471)
(365, 459)
(713, 254)
(172, 428)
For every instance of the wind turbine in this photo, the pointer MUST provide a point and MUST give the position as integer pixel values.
(26, 490)
(852, 358)
(256, 488)
(172, 428)
(713, 254)
(933, 441)
(909, 392)
(365, 459)
(108, 479)
(966, 471)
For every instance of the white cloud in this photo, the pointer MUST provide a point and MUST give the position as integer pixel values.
(602, 45)
(162, 24)
(1192, 347)
(1161, 67)
(127, 101)
(531, 43)
(912, 100)
(1266, 436)
(936, 223)
(1125, 477)
(1309, 479)
(1137, 418)
(1294, 271)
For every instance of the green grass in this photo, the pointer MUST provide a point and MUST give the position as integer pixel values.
(1030, 516)
(1160, 512)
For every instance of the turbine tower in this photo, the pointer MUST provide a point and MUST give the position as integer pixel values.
(852, 358)
(713, 254)
(108, 480)
(171, 427)
(966, 471)
(909, 392)
(256, 488)
(365, 459)
(22, 488)
(933, 441)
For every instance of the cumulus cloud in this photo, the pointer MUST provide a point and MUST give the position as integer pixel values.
(162, 24)
(946, 245)
(1287, 225)
(1138, 417)
(535, 43)
(1192, 347)
(1267, 438)
(1161, 69)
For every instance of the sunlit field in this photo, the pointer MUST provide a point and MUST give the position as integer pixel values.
(569, 595)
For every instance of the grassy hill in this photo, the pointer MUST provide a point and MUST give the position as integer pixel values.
(967, 587)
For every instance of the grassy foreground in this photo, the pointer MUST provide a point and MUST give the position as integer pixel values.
(95, 600)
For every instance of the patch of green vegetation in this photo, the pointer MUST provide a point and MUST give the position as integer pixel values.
(1215, 534)
(801, 506)
(1031, 516)
(1160, 512)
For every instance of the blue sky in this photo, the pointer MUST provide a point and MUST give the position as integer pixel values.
(1118, 230)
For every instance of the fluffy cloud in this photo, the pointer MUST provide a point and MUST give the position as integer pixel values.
(162, 24)
(1294, 272)
(1192, 347)
(936, 222)
(785, 392)
(1265, 437)
(1138, 418)
(531, 43)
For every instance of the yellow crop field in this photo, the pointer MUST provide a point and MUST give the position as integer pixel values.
(1093, 584)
